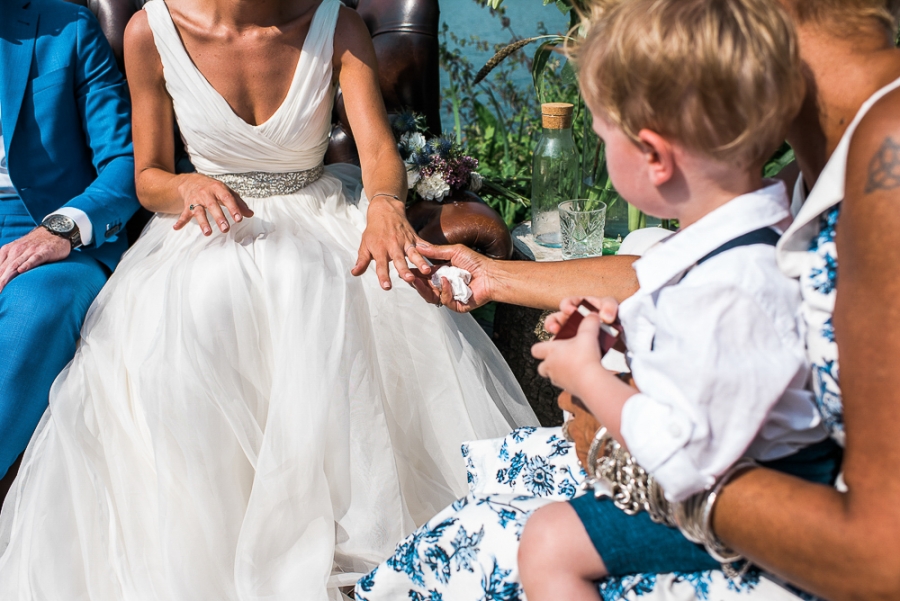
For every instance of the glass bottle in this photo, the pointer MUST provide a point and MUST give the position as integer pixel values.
(555, 176)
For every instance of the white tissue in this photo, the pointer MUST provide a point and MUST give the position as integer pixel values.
(459, 282)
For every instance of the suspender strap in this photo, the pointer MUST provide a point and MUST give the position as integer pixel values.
(764, 235)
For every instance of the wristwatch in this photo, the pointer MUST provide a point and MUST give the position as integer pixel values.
(64, 227)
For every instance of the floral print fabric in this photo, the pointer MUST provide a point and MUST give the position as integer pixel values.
(468, 551)
(819, 288)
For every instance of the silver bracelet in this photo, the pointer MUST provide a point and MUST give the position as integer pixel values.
(693, 516)
(613, 472)
(394, 196)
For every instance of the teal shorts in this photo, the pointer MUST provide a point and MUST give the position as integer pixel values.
(637, 545)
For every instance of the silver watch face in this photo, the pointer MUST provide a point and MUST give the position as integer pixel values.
(60, 224)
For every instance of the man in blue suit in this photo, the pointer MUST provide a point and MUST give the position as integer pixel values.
(66, 191)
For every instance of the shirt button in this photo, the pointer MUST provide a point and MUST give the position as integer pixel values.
(675, 430)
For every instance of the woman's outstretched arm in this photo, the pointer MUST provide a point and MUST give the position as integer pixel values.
(846, 546)
(389, 238)
(528, 283)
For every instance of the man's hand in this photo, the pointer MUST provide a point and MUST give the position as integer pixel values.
(389, 238)
(464, 258)
(29, 251)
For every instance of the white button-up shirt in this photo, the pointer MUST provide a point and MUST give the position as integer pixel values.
(716, 352)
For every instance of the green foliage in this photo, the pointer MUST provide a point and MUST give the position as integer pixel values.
(781, 159)
(496, 120)
(500, 122)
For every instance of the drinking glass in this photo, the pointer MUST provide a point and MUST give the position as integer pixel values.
(581, 223)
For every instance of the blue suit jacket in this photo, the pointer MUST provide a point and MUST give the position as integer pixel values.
(66, 119)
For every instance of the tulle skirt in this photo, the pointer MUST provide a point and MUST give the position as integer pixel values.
(245, 420)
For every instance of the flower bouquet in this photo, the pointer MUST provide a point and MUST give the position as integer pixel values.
(437, 167)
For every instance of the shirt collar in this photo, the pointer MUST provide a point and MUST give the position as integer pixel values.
(673, 256)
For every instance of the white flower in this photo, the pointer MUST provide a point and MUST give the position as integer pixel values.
(433, 187)
(412, 176)
(412, 141)
(475, 181)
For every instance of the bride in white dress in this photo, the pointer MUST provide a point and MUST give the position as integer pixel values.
(245, 419)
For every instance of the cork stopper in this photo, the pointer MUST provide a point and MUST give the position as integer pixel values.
(557, 115)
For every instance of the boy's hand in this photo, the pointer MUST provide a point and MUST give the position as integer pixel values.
(567, 362)
(607, 306)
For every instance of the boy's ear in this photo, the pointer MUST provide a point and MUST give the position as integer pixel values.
(659, 156)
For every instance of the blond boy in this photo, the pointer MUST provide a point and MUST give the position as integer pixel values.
(691, 98)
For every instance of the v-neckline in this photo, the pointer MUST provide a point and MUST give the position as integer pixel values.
(284, 101)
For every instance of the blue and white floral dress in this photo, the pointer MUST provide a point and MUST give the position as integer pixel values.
(468, 551)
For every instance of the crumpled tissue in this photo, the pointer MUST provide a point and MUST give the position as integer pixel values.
(459, 282)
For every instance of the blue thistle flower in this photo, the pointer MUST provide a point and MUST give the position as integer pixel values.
(443, 147)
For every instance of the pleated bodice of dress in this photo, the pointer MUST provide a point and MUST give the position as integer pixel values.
(217, 139)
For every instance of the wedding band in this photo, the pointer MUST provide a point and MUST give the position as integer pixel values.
(406, 250)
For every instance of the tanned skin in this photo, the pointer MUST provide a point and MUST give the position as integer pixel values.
(528, 283)
(840, 546)
(248, 51)
(844, 546)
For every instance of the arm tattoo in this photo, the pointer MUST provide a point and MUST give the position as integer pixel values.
(884, 169)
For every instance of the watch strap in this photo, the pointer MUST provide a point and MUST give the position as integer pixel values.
(74, 237)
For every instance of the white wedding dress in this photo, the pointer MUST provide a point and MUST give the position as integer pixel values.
(245, 420)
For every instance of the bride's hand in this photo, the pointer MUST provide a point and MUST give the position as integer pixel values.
(389, 238)
(204, 195)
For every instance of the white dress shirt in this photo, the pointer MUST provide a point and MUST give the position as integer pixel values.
(7, 190)
(716, 352)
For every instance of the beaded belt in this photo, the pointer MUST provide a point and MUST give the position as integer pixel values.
(260, 184)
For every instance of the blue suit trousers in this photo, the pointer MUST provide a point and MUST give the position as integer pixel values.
(41, 312)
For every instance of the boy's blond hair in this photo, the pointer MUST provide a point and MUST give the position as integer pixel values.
(721, 77)
(841, 13)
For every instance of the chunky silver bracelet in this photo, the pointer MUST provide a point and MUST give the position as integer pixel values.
(693, 516)
(613, 472)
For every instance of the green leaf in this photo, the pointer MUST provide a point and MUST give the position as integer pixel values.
(782, 158)
(568, 74)
(636, 219)
(487, 120)
(539, 65)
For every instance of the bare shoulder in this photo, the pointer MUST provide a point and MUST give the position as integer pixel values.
(351, 33)
(873, 164)
(142, 60)
(138, 33)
